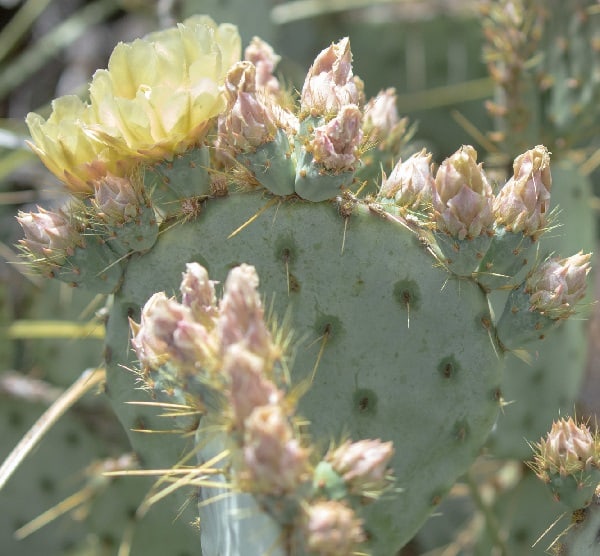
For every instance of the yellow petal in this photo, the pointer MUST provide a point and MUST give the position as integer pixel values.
(132, 65)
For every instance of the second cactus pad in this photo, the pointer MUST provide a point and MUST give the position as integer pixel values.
(393, 346)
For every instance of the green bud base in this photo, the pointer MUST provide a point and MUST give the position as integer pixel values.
(181, 178)
(272, 165)
(575, 490)
(507, 255)
(93, 266)
(462, 256)
(518, 325)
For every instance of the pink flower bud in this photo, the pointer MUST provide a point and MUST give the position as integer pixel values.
(241, 315)
(198, 293)
(275, 462)
(333, 529)
(116, 198)
(167, 332)
(264, 59)
(249, 387)
(557, 285)
(335, 144)
(249, 122)
(254, 117)
(568, 448)
(410, 183)
(463, 197)
(363, 465)
(329, 84)
(381, 115)
(522, 204)
(48, 235)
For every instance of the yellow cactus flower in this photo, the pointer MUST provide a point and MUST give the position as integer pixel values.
(66, 147)
(159, 93)
(156, 99)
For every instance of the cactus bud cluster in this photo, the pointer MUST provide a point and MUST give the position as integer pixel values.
(568, 460)
(227, 348)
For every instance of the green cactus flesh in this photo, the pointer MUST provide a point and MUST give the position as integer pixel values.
(407, 351)
(581, 537)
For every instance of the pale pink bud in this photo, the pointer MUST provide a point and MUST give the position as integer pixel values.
(193, 344)
(116, 198)
(262, 55)
(249, 388)
(463, 197)
(363, 465)
(557, 285)
(329, 84)
(249, 122)
(150, 348)
(275, 462)
(522, 204)
(410, 183)
(381, 115)
(167, 331)
(460, 170)
(568, 448)
(241, 315)
(335, 144)
(48, 234)
(198, 293)
(333, 529)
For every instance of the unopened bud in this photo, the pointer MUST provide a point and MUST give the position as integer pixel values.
(333, 529)
(330, 84)
(275, 462)
(249, 386)
(48, 235)
(568, 448)
(410, 184)
(380, 116)
(522, 204)
(557, 285)
(241, 317)
(262, 55)
(363, 465)
(248, 123)
(568, 460)
(116, 199)
(335, 144)
(463, 197)
(167, 332)
(198, 293)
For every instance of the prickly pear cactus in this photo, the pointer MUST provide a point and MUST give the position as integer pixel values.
(189, 162)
